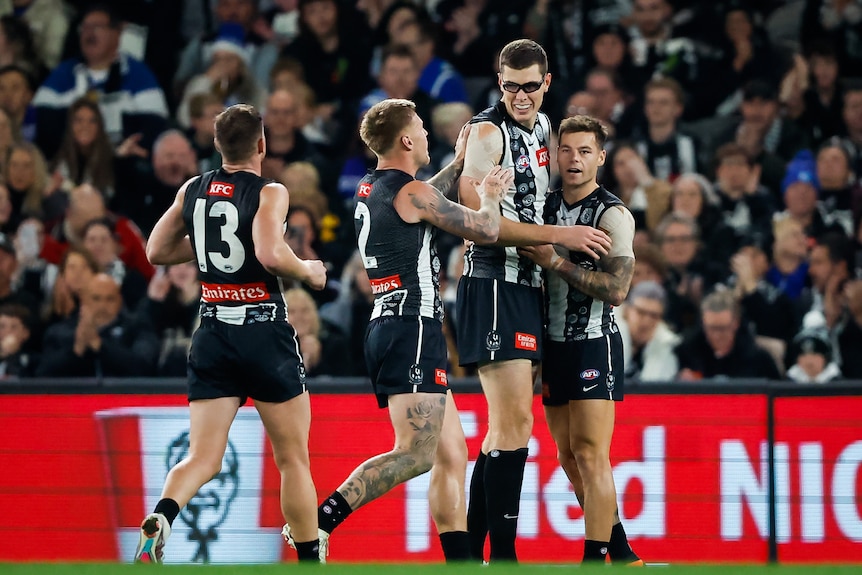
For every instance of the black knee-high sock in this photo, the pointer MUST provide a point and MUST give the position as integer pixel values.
(308, 551)
(477, 517)
(619, 548)
(504, 474)
(456, 546)
(169, 508)
(595, 551)
(332, 512)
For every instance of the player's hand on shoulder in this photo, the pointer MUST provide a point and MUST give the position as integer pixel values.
(496, 183)
(586, 239)
(461, 143)
(315, 275)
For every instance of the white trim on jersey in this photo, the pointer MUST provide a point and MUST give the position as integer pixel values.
(424, 275)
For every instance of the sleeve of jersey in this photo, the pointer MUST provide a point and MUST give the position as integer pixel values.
(619, 224)
(484, 150)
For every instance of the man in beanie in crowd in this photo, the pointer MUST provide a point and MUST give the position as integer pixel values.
(800, 189)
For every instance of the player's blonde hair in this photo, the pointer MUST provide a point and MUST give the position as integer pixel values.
(384, 122)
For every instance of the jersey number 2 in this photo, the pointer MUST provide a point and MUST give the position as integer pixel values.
(228, 216)
(364, 215)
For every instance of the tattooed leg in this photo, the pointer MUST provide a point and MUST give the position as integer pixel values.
(417, 419)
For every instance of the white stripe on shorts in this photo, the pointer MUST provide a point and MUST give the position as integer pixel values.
(610, 363)
(494, 315)
(418, 349)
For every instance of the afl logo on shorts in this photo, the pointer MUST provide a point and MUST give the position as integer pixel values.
(492, 341)
(415, 375)
(301, 370)
(590, 374)
(522, 163)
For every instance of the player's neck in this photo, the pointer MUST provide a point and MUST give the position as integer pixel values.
(397, 163)
(574, 194)
(252, 166)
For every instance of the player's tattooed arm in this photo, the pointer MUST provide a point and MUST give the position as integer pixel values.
(611, 284)
(418, 201)
(379, 475)
(444, 180)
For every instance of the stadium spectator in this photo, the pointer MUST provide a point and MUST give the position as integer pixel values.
(26, 176)
(324, 347)
(99, 241)
(285, 143)
(828, 271)
(437, 77)
(7, 138)
(667, 151)
(146, 189)
(131, 100)
(16, 100)
(9, 294)
(48, 21)
(839, 187)
(694, 196)
(849, 333)
(648, 343)
(789, 269)
(15, 358)
(194, 58)
(85, 204)
(101, 340)
(801, 190)
(334, 50)
(228, 75)
(17, 47)
(172, 307)
(745, 203)
(851, 113)
(75, 270)
(811, 92)
(614, 106)
(628, 177)
(722, 347)
(86, 155)
(811, 358)
(203, 108)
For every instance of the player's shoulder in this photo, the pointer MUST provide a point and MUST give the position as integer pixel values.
(610, 199)
(491, 115)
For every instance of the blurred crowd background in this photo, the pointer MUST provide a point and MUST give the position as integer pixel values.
(736, 142)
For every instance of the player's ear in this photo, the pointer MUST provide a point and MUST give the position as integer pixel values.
(407, 142)
(261, 147)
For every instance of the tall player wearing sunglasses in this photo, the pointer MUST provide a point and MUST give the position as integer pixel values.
(500, 305)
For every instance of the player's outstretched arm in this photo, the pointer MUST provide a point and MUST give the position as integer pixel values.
(271, 250)
(418, 201)
(169, 241)
(483, 150)
(612, 281)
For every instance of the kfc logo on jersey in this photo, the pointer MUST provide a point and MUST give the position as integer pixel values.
(364, 190)
(383, 285)
(590, 374)
(440, 377)
(542, 156)
(220, 189)
(525, 341)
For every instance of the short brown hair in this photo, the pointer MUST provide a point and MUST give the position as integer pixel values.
(521, 54)
(731, 150)
(237, 131)
(582, 123)
(384, 122)
(667, 84)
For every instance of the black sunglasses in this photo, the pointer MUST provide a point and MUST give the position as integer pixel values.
(528, 87)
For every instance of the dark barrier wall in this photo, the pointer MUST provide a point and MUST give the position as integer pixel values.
(713, 471)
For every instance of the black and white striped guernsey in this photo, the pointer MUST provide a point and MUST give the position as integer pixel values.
(525, 152)
(572, 314)
(400, 258)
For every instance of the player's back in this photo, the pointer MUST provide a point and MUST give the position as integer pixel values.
(219, 210)
(400, 258)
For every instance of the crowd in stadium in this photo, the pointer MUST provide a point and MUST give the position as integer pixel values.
(736, 143)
